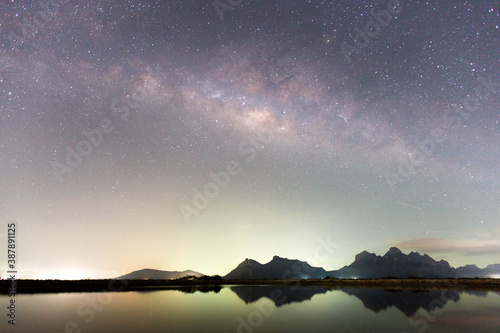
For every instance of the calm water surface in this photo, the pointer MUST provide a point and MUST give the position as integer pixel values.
(247, 309)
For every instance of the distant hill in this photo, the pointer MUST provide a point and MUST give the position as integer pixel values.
(154, 274)
(469, 271)
(472, 271)
(278, 268)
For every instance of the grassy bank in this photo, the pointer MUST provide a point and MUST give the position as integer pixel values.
(111, 285)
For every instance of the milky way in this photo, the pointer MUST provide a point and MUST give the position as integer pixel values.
(194, 134)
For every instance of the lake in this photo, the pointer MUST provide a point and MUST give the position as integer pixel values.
(249, 309)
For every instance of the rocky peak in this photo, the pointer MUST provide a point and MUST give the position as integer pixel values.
(393, 251)
(362, 255)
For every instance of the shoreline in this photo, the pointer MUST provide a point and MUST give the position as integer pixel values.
(114, 285)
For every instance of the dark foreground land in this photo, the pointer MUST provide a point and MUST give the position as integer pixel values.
(113, 285)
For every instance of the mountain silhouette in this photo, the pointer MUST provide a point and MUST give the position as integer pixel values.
(366, 265)
(492, 270)
(154, 274)
(469, 271)
(276, 269)
(394, 263)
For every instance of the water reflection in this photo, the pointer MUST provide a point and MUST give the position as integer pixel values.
(202, 289)
(376, 300)
(278, 294)
(406, 301)
(258, 309)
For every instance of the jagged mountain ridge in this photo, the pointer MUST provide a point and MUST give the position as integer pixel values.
(366, 265)
(394, 263)
(278, 268)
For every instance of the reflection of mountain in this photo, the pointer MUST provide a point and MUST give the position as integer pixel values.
(278, 294)
(200, 288)
(406, 301)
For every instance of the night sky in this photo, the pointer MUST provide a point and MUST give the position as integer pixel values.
(182, 135)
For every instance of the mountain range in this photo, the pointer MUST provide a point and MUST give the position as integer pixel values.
(394, 263)
(279, 295)
(366, 265)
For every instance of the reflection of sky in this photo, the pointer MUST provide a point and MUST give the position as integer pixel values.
(471, 314)
(174, 311)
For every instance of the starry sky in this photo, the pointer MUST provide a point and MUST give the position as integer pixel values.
(194, 134)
